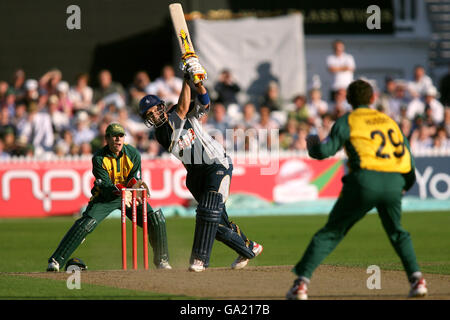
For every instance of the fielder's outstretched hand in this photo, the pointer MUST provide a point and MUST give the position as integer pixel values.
(312, 140)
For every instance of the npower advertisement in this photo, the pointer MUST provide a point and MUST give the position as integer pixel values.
(37, 189)
(49, 188)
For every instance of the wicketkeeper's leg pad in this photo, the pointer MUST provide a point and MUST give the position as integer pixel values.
(208, 216)
(73, 238)
(158, 236)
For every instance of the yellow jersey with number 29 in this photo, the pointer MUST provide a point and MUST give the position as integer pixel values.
(378, 142)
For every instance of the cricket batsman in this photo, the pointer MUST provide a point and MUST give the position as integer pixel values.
(115, 166)
(209, 169)
(381, 169)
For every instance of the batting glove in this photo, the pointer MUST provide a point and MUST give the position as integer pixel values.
(192, 66)
(186, 59)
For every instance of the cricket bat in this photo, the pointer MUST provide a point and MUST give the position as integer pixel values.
(181, 30)
(183, 37)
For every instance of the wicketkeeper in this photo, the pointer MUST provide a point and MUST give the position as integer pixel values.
(381, 169)
(208, 167)
(116, 166)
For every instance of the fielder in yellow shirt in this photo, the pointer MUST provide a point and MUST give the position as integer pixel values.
(380, 170)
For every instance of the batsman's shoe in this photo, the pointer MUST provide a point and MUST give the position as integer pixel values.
(299, 291)
(418, 288)
(164, 265)
(53, 266)
(197, 266)
(241, 262)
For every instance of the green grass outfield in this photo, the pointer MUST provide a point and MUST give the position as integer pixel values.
(25, 245)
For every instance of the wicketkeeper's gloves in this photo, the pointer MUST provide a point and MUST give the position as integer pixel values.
(139, 184)
(128, 195)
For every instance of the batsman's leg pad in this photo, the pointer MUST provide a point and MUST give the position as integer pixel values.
(208, 216)
(158, 236)
(73, 238)
(231, 235)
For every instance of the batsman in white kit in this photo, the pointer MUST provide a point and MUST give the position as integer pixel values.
(209, 169)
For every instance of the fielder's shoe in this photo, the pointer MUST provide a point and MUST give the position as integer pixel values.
(53, 266)
(164, 265)
(197, 266)
(299, 291)
(418, 288)
(241, 261)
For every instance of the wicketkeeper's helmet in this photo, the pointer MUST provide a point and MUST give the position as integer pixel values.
(76, 262)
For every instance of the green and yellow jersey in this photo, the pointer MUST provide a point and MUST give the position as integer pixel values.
(109, 170)
(372, 141)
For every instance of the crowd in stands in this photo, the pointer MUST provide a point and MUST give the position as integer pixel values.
(49, 116)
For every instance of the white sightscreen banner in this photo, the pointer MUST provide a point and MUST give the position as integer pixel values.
(256, 50)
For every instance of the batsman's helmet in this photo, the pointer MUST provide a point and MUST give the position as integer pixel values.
(148, 102)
